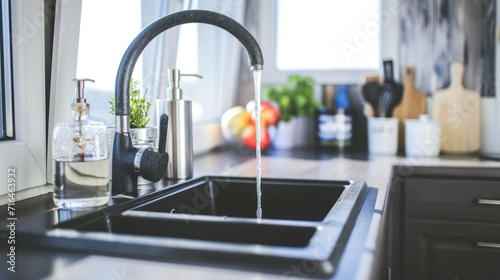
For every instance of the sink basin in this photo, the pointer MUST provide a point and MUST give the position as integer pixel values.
(212, 220)
(237, 197)
(245, 233)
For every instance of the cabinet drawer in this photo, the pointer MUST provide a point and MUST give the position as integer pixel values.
(452, 199)
(447, 250)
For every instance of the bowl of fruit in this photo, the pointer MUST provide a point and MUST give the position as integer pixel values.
(238, 124)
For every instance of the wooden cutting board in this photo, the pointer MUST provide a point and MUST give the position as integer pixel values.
(459, 111)
(413, 104)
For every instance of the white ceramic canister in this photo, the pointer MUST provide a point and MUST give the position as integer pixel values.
(383, 136)
(422, 137)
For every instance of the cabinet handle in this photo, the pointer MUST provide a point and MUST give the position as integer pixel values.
(488, 201)
(488, 245)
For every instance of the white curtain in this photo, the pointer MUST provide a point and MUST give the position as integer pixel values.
(63, 70)
(161, 53)
(217, 57)
(218, 61)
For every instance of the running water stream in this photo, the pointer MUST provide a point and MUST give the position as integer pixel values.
(257, 83)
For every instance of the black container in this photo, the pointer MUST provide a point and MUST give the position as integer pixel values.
(358, 142)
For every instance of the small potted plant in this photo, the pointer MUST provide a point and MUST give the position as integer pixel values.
(296, 101)
(139, 107)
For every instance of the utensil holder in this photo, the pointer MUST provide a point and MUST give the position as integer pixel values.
(383, 136)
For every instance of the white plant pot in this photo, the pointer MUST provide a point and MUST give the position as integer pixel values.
(298, 132)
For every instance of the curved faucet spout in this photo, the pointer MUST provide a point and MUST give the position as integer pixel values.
(128, 161)
(133, 52)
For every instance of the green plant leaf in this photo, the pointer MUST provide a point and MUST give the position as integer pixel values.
(139, 106)
(295, 97)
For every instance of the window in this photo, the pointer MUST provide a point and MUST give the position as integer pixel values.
(105, 33)
(328, 34)
(335, 42)
(6, 112)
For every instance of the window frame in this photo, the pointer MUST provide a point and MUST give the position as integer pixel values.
(27, 153)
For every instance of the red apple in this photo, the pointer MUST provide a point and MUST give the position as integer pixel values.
(269, 112)
(249, 139)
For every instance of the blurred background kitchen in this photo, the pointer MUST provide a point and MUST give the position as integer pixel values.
(335, 51)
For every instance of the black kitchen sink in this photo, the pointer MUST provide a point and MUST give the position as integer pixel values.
(212, 220)
(236, 197)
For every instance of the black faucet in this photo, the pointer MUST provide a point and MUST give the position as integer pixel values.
(130, 162)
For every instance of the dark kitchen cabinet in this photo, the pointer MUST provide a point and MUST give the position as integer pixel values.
(450, 250)
(442, 223)
(452, 199)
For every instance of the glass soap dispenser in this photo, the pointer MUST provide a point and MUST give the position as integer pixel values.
(81, 157)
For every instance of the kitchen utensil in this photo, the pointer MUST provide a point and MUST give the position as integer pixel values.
(386, 98)
(459, 111)
(391, 90)
(368, 111)
(413, 103)
(371, 91)
(388, 71)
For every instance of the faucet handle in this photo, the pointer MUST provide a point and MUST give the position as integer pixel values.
(152, 164)
(162, 145)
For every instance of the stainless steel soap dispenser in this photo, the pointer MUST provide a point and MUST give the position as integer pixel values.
(180, 136)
